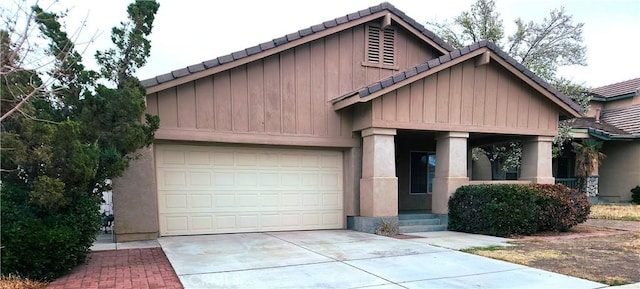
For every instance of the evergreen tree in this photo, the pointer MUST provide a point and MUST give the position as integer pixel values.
(62, 144)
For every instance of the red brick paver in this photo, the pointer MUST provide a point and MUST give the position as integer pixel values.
(133, 268)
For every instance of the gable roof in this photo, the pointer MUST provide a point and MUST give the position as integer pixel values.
(297, 38)
(590, 123)
(378, 88)
(618, 89)
(614, 124)
(626, 119)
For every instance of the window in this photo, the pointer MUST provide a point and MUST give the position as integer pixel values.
(423, 170)
(381, 45)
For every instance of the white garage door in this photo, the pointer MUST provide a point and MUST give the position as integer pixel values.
(213, 189)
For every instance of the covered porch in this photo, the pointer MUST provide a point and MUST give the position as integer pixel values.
(418, 128)
(409, 170)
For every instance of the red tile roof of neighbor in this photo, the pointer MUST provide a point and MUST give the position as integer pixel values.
(590, 123)
(620, 88)
(626, 119)
(620, 122)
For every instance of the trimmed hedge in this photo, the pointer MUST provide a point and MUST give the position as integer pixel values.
(635, 195)
(504, 210)
(562, 207)
(43, 246)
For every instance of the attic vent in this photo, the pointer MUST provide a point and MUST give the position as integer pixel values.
(381, 45)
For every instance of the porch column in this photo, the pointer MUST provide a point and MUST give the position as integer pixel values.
(451, 168)
(536, 163)
(379, 184)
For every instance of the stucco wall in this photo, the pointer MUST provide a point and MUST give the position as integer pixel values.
(135, 200)
(620, 171)
(618, 103)
(352, 171)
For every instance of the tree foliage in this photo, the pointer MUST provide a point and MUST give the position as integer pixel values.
(132, 47)
(71, 135)
(542, 47)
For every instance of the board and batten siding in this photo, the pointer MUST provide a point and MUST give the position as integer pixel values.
(283, 94)
(464, 97)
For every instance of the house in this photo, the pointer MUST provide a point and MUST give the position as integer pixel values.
(614, 119)
(333, 126)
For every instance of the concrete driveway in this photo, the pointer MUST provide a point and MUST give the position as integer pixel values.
(342, 259)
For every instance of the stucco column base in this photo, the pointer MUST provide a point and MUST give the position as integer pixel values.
(379, 196)
(443, 188)
(536, 165)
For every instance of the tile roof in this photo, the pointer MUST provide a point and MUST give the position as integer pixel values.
(616, 89)
(621, 123)
(590, 123)
(291, 37)
(399, 77)
(627, 119)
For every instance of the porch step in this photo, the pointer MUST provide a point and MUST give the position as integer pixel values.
(421, 228)
(420, 222)
(413, 216)
(415, 222)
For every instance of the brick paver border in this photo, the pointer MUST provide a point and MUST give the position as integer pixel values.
(132, 268)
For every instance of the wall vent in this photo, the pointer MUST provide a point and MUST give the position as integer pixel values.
(381, 45)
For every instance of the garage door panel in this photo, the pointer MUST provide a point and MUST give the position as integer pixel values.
(268, 179)
(249, 222)
(204, 190)
(199, 158)
(173, 179)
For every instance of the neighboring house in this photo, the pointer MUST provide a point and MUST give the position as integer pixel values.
(614, 118)
(345, 122)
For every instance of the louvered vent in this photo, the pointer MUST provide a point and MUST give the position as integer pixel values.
(388, 51)
(373, 53)
(381, 45)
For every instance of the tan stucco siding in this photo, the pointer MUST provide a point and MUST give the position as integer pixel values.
(135, 201)
(284, 94)
(620, 171)
(467, 97)
(619, 103)
(593, 107)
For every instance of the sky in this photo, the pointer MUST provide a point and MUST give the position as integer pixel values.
(187, 32)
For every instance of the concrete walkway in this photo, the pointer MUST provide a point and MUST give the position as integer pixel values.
(348, 259)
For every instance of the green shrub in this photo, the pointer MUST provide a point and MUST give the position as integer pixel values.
(498, 210)
(562, 207)
(635, 195)
(40, 245)
(503, 210)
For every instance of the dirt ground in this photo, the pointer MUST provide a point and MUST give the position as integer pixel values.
(604, 251)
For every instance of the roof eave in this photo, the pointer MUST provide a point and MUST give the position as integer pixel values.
(613, 98)
(572, 111)
(278, 45)
(609, 137)
(263, 54)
